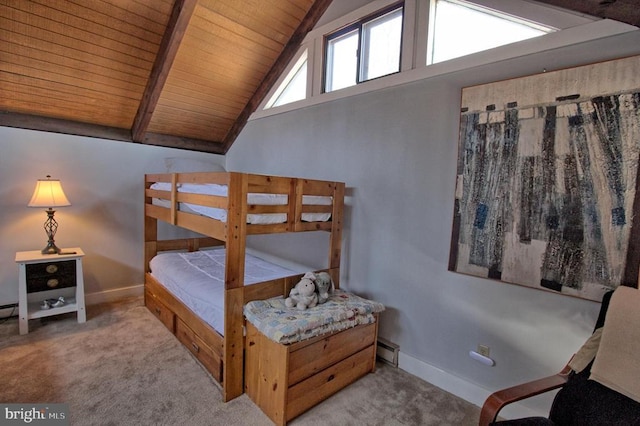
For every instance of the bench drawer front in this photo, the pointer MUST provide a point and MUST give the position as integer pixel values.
(199, 349)
(322, 385)
(310, 359)
(157, 308)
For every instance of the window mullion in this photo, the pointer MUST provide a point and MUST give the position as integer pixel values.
(361, 51)
(413, 56)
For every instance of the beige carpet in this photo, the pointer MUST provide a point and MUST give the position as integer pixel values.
(122, 367)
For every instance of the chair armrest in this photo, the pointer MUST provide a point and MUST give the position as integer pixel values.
(497, 400)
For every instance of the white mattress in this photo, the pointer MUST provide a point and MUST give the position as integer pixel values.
(252, 198)
(197, 279)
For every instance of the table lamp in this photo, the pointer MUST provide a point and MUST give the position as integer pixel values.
(49, 193)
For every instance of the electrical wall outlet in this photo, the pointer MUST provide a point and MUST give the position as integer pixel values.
(483, 350)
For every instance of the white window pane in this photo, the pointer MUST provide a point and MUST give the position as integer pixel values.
(382, 39)
(296, 89)
(461, 30)
(342, 61)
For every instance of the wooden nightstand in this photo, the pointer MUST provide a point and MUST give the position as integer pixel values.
(49, 276)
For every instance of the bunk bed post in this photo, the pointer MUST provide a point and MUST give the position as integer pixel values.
(150, 241)
(335, 238)
(150, 233)
(233, 371)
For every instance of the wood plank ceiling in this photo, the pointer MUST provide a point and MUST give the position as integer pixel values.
(185, 74)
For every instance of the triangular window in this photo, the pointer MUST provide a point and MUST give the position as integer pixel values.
(461, 28)
(294, 86)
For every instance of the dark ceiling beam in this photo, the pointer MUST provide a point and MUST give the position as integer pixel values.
(76, 128)
(57, 125)
(179, 142)
(315, 12)
(176, 28)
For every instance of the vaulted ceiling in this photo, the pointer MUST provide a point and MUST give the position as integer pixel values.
(185, 74)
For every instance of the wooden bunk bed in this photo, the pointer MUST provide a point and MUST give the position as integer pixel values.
(166, 200)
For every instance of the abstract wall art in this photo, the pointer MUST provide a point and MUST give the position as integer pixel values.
(547, 178)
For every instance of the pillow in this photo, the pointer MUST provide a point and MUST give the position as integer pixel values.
(177, 164)
(617, 364)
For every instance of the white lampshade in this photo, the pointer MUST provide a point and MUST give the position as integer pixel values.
(48, 193)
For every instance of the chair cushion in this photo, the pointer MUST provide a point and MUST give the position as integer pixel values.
(586, 402)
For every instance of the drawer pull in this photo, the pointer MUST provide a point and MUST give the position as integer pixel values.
(158, 311)
(52, 283)
(330, 378)
(52, 269)
(195, 347)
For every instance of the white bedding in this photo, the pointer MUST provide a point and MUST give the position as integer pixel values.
(252, 198)
(197, 279)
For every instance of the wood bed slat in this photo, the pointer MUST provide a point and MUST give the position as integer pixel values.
(313, 226)
(158, 212)
(218, 178)
(316, 187)
(316, 208)
(201, 199)
(155, 193)
(201, 224)
(261, 209)
(189, 244)
(277, 228)
(270, 184)
(269, 289)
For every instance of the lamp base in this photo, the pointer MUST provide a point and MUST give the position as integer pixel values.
(51, 248)
(50, 226)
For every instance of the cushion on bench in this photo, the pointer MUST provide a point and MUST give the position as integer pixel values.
(289, 325)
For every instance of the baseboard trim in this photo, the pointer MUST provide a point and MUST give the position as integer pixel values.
(114, 295)
(459, 387)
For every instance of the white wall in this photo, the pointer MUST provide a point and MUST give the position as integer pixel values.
(396, 150)
(104, 182)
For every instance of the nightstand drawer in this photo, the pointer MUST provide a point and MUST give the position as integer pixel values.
(50, 275)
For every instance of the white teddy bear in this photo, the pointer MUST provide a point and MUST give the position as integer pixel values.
(303, 295)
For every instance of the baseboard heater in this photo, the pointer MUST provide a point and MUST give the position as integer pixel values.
(8, 311)
(387, 351)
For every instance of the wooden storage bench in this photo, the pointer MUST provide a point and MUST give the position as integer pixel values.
(286, 380)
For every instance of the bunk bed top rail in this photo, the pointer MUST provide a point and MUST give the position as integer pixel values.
(266, 204)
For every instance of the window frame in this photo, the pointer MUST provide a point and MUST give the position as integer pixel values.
(358, 26)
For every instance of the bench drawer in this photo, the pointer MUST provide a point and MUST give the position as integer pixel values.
(307, 359)
(322, 385)
(199, 349)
